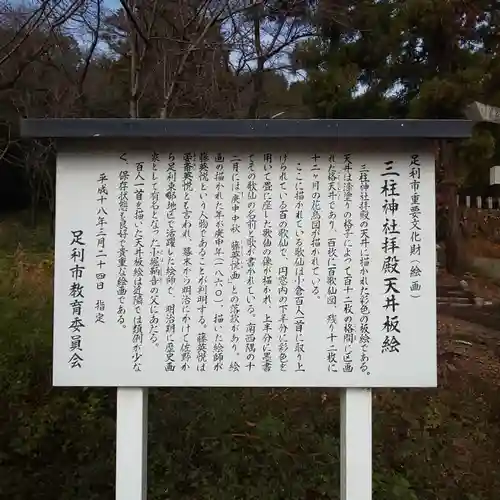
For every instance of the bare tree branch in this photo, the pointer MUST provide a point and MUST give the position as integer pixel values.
(133, 20)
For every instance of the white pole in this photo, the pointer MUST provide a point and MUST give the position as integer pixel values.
(356, 444)
(131, 443)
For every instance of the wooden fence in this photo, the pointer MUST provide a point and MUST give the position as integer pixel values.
(479, 202)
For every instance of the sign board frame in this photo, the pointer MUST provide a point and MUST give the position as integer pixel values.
(356, 440)
(322, 168)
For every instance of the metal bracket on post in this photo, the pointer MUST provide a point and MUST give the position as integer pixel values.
(131, 443)
(356, 444)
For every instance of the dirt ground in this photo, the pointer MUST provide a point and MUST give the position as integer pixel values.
(469, 337)
(486, 316)
(470, 348)
(480, 286)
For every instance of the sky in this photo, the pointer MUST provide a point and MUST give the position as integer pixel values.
(115, 4)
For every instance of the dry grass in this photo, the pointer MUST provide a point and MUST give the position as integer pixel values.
(481, 247)
(26, 260)
(31, 275)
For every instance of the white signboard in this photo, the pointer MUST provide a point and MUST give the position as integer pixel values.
(241, 268)
(494, 175)
(480, 112)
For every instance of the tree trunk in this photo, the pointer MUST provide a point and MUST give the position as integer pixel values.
(258, 75)
(456, 261)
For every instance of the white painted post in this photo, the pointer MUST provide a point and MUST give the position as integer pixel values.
(131, 443)
(356, 444)
(479, 202)
(467, 201)
(489, 200)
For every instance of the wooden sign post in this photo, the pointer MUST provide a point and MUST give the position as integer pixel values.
(245, 253)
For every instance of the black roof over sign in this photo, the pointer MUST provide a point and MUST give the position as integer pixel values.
(243, 129)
